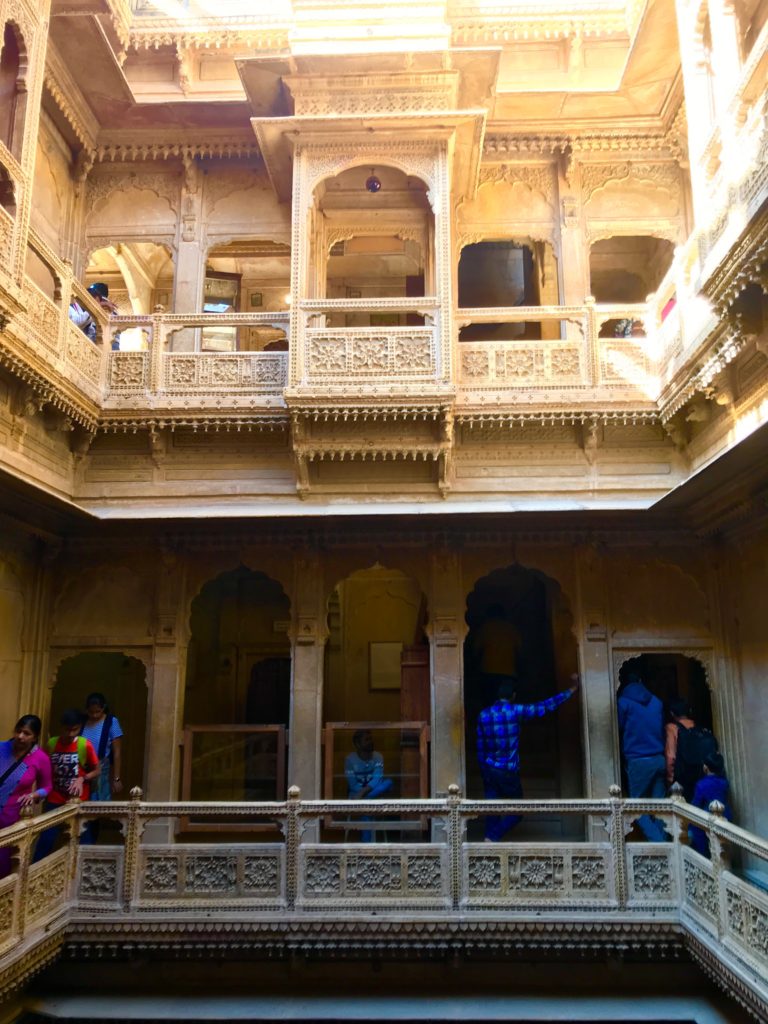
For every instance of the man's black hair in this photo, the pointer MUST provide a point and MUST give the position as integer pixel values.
(99, 289)
(507, 688)
(71, 717)
(680, 708)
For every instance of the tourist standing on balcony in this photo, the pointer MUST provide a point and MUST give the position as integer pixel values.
(641, 730)
(25, 777)
(498, 749)
(103, 730)
(364, 771)
(686, 747)
(713, 785)
(74, 765)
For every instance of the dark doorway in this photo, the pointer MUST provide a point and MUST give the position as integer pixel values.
(520, 623)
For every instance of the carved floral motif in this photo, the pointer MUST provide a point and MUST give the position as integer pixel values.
(373, 872)
(588, 872)
(261, 874)
(323, 875)
(484, 873)
(651, 875)
(161, 874)
(128, 370)
(423, 873)
(700, 889)
(45, 888)
(211, 874)
(98, 879)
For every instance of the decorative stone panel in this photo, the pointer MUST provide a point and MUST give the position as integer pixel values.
(99, 875)
(747, 917)
(388, 875)
(370, 352)
(515, 363)
(213, 874)
(83, 354)
(236, 371)
(47, 885)
(128, 371)
(651, 877)
(699, 887)
(537, 875)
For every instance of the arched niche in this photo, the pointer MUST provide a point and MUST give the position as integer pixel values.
(122, 678)
(7, 192)
(247, 275)
(377, 669)
(519, 271)
(520, 624)
(671, 674)
(371, 243)
(13, 88)
(238, 621)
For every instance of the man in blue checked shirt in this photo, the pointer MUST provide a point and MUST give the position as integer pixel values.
(498, 749)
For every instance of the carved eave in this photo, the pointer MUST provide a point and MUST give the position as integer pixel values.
(69, 99)
(741, 265)
(199, 422)
(625, 417)
(461, 131)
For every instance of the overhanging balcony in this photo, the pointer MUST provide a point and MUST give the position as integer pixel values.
(590, 894)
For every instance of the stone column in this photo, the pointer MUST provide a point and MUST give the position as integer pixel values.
(573, 256)
(698, 102)
(165, 707)
(446, 632)
(308, 637)
(601, 752)
(190, 254)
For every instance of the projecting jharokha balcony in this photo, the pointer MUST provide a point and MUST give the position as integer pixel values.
(303, 864)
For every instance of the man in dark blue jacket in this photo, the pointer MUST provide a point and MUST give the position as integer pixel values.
(641, 728)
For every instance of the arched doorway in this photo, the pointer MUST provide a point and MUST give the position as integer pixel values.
(237, 693)
(123, 681)
(520, 624)
(670, 675)
(377, 679)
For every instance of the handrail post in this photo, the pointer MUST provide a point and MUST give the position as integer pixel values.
(156, 352)
(618, 845)
(24, 847)
(292, 842)
(455, 843)
(592, 342)
(133, 834)
(721, 861)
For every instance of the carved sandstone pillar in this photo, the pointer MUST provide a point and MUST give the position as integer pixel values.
(598, 699)
(190, 255)
(166, 693)
(308, 638)
(446, 632)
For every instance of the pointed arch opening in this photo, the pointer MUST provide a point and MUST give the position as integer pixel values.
(520, 626)
(376, 683)
(237, 691)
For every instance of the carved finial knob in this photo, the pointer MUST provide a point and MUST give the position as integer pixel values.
(615, 791)
(676, 791)
(137, 793)
(454, 790)
(294, 793)
(717, 808)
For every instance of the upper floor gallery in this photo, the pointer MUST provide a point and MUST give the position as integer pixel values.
(424, 242)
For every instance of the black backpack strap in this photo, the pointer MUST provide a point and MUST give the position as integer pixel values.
(104, 738)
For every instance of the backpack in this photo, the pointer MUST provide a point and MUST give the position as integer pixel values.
(694, 745)
(82, 746)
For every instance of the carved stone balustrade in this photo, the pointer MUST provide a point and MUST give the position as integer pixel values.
(576, 368)
(367, 362)
(593, 893)
(156, 377)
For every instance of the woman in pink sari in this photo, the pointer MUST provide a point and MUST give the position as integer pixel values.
(25, 777)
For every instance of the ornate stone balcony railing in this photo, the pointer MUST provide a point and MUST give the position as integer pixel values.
(161, 378)
(598, 890)
(371, 361)
(577, 367)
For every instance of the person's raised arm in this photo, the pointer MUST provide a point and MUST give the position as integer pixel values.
(543, 707)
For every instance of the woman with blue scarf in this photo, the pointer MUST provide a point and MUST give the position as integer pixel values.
(25, 777)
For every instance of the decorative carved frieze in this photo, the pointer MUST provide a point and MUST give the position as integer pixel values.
(537, 177)
(664, 175)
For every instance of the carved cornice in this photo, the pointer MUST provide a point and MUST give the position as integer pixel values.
(561, 417)
(241, 33)
(661, 144)
(348, 939)
(139, 148)
(69, 99)
(269, 422)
